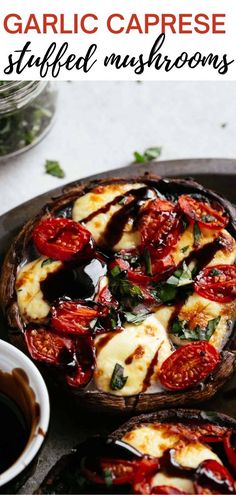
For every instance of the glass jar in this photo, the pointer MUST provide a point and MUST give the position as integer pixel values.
(27, 110)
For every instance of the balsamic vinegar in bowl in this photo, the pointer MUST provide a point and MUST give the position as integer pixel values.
(14, 432)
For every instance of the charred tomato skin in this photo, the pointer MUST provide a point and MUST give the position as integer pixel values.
(188, 366)
(217, 283)
(63, 239)
(75, 317)
(203, 213)
(160, 227)
(46, 346)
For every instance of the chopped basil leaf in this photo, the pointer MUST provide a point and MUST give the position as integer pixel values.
(180, 328)
(138, 157)
(208, 218)
(108, 477)
(166, 293)
(212, 324)
(180, 277)
(152, 153)
(122, 288)
(185, 223)
(196, 233)
(122, 201)
(148, 262)
(149, 154)
(114, 318)
(118, 380)
(184, 249)
(214, 272)
(115, 271)
(19, 290)
(46, 262)
(53, 167)
(132, 318)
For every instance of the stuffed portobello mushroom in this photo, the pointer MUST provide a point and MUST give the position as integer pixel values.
(169, 452)
(124, 290)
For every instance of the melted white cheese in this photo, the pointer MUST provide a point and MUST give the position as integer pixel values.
(142, 342)
(96, 199)
(29, 295)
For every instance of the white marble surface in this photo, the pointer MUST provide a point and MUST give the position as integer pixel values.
(100, 124)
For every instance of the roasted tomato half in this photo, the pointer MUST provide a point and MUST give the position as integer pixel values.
(159, 225)
(76, 317)
(45, 345)
(63, 239)
(188, 366)
(75, 356)
(217, 283)
(206, 215)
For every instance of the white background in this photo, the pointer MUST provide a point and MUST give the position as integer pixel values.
(99, 125)
(133, 43)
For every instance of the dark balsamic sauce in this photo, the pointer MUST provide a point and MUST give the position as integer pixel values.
(205, 254)
(118, 221)
(73, 282)
(150, 371)
(105, 339)
(130, 210)
(14, 433)
(136, 193)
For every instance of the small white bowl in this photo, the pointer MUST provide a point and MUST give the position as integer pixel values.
(33, 394)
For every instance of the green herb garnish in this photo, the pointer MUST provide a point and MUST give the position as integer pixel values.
(46, 262)
(136, 319)
(180, 329)
(53, 167)
(118, 380)
(182, 276)
(184, 249)
(214, 272)
(148, 262)
(196, 233)
(149, 154)
(185, 223)
(122, 201)
(122, 288)
(22, 127)
(108, 477)
(165, 293)
(208, 218)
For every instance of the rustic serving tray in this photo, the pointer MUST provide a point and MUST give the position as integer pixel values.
(69, 425)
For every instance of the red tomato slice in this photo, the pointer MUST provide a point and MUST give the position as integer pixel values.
(62, 239)
(212, 475)
(45, 345)
(230, 451)
(203, 213)
(75, 317)
(159, 226)
(188, 366)
(84, 362)
(217, 283)
(167, 490)
(146, 469)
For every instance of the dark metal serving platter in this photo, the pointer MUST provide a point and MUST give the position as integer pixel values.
(69, 425)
